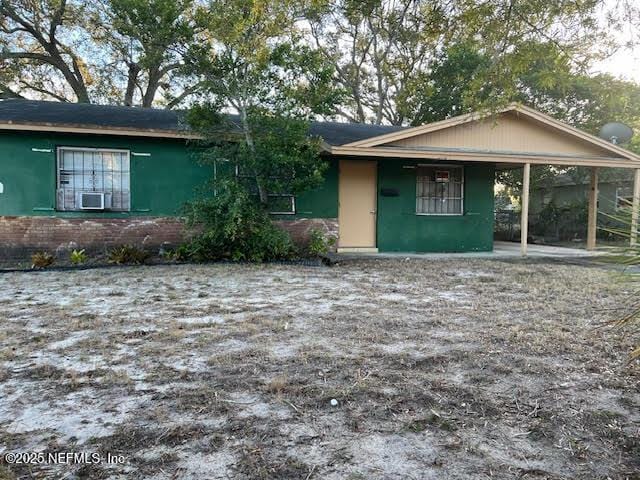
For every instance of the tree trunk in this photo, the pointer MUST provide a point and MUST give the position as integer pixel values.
(262, 191)
(152, 87)
(132, 78)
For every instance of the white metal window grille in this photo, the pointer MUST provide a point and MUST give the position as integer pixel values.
(439, 190)
(91, 170)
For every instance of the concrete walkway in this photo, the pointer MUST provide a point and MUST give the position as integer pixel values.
(500, 250)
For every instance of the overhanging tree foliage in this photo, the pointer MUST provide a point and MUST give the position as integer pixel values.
(384, 49)
(256, 64)
(130, 51)
(105, 51)
(146, 40)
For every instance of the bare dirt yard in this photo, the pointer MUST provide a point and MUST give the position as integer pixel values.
(440, 369)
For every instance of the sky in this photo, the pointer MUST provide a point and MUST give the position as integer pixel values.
(626, 62)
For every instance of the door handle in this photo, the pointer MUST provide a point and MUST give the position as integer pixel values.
(373, 212)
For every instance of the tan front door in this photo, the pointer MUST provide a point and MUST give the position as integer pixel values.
(357, 204)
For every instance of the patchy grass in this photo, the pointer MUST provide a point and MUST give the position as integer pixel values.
(440, 369)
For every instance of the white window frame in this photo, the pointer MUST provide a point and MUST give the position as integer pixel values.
(293, 203)
(60, 150)
(627, 198)
(462, 183)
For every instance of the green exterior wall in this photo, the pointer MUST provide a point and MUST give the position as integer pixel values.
(171, 175)
(321, 202)
(399, 229)
(160, 183)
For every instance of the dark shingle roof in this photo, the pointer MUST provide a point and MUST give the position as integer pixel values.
(86, 115)
(336, 133)
(134, 118)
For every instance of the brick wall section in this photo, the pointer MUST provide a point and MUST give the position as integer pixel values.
(21, 236)
(299, 229)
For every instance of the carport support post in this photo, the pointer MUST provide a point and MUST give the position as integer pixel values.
(524, 209)
(593, 210)
(634, 208)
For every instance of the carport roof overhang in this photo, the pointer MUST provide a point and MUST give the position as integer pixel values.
(515, 135)
(500, 159)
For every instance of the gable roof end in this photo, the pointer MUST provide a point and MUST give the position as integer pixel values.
(527, 112)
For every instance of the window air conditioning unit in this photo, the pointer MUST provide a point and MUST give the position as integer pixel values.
(94, 200)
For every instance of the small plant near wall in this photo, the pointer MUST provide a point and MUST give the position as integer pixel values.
(78, 257)
(41, 260)
(319, 243)
(169, 255)
(127, 255)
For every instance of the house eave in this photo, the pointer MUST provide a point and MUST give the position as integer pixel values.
(498, 158)
(96, 130)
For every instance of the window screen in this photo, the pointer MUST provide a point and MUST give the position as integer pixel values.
(439, 190)
(93, 170)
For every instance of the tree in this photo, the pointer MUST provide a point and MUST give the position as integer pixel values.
(444, 91)
(585, 102)
(37, 40)
(256, 64)
(112, 51)
(384, 49)
(146, 41)
(377, 48)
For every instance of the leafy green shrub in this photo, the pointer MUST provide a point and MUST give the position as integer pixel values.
(319, 243)
(41, 260)
(78, 257)
(128, 254)
(232, 225)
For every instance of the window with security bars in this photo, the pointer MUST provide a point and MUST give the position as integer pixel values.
(90, 170)
(439, 190)
(278, 203)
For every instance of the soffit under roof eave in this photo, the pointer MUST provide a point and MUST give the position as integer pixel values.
(484, 157)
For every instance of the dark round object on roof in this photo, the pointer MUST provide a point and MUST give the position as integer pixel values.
(616, 133)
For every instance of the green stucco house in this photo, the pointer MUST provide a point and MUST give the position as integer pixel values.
(89, 176)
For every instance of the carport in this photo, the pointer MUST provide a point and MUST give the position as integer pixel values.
(514, 137)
